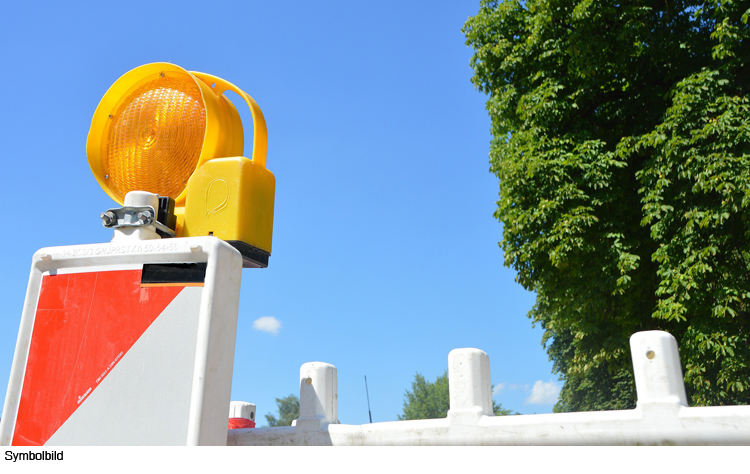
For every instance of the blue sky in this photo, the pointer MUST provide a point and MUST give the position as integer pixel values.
(385, 252)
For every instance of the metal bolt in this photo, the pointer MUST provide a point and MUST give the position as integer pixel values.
(144, 217)
(108, 218)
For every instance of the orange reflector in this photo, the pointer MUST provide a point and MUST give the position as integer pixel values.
(155, 138)
(158, 123)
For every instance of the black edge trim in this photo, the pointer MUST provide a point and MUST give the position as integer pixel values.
(173, 273)
(252, 257)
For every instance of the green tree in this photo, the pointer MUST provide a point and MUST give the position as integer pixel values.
(288, 408)
(429, 400)
(621, 139)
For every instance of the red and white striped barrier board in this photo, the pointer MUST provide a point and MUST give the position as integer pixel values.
(125, 344)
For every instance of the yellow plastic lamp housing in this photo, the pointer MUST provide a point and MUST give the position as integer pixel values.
(155, 125)
(158, 124)
(216, 196)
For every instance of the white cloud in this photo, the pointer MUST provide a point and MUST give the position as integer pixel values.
(267, 324)
(543, 393)
(501, 387)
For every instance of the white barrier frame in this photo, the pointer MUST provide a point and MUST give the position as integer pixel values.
(211, 360)
(661, 416)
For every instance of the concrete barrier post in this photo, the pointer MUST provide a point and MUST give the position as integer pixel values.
(657, 369)
(318, 395)
(242, 410)
(469, 382)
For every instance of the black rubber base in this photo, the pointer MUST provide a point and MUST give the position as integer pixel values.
(252, 257)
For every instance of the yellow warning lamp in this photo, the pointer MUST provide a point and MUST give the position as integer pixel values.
(172, 132)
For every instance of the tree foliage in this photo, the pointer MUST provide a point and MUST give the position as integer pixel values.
(621, 139)
(288, 408)
(429, 400)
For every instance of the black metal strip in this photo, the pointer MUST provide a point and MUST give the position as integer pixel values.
(160, 273)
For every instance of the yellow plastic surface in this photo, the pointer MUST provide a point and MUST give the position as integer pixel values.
(232, 199)
(260, 134)
(157, 123)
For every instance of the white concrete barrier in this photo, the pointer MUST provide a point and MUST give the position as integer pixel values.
(657, 369)
(661, 416)
(318, 396)
(469, 383)
(242, 410)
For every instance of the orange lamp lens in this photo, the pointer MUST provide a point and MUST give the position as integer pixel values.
(155, 138)
(158, 123)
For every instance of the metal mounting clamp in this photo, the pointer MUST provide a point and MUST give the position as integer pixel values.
(133, 216)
